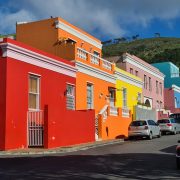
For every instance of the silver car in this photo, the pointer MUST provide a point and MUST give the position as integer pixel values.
(144, 128)
(169, 125)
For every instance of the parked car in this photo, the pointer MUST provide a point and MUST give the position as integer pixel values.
(144, 128)
(169, 125)
(178, 155)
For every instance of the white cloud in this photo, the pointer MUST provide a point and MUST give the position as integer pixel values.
(98, 17)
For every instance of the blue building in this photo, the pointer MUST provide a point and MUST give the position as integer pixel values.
(171, 72)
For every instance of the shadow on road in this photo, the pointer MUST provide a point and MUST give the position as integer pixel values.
(112, 166)
(170, 149)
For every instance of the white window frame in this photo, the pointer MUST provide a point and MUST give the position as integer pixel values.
(92, 96)
(37, 94)
(124, 98)
(70, 96)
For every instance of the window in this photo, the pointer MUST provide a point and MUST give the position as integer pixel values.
(157, 89)
(150, 84)
(70, 97)
(82, 54)
(139, 97)
(136, 73)
(96, 53)
(160, 87)
(157, 104)
(131, 70)
(145, 81)
(112, 96)
(33, 92)
(124, 97)
(89, 96)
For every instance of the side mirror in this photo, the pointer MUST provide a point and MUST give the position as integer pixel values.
(178, 141)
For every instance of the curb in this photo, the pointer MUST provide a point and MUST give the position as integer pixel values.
(60, 150)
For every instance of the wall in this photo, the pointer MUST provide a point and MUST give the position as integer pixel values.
(171, 71)
(141, 72)
(61, 126)
(145, 113)
(132, 91)
(2, 100)
(169, 102)
(115, 127)
(44, 35)
(100, 89)
(177, 97)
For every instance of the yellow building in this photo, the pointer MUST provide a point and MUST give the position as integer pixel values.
(128, 91)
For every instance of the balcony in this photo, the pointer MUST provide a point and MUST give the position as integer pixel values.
(94, 60)
(113, 111)
(173, 75)
(125, 112)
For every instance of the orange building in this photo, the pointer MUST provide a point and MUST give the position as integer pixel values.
(95, 81)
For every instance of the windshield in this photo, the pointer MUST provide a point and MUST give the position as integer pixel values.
(138, 123)
(163, 121)
(173, 120)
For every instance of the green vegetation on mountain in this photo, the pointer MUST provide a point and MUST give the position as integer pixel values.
(152, 50)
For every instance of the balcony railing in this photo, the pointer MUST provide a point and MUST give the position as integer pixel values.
(93, 59)
(113, 111)
(175, 75)
(125, 112)
(82, 54)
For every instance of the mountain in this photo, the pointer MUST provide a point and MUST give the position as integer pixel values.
(152, 50)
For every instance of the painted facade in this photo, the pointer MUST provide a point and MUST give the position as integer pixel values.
(153, 79)
(172, 85)
(172, 100)
(128, 90)
(96, 83)
(37, 91)
(171, 72)
(153, 82)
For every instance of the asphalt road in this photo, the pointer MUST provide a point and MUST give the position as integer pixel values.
(142, 159)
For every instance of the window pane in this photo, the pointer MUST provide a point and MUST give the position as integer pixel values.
(33, 84)
(32, 101)
(70, 99)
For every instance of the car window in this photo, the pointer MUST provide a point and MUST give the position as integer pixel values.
(138, 123)
(152, 123)
(173, 120)
(163, 121)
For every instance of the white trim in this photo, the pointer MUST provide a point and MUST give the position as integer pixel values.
(34, 74)
(128, 79)
(69, 29)
(30, 57)
(176, 88)
(89, 82)
(70, 84)
(97, 73)
(143, 67)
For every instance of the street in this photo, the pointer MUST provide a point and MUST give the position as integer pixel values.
(138, 159)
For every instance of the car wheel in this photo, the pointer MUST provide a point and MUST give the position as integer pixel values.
(159, 134)
(150, 136)
(178, 163)
(174, 132)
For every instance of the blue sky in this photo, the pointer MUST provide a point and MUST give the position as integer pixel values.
(105, 19)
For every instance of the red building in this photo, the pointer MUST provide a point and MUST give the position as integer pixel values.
(37, 100)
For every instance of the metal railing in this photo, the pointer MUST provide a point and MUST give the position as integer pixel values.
(85, 55)
(125, 112)
(113, 111)
(35, 128)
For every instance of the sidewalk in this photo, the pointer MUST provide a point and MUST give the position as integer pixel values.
(66, 149)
